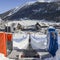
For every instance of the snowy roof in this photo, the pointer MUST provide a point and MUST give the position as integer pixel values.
(44, 24)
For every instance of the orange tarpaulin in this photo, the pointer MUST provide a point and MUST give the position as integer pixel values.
(9, 36)
(3, 43)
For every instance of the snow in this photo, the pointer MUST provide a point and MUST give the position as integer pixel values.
(48, 0)
(2, 57)
(41, 0)
(19, 7)
(33, 22)
(26, 4)
(15, 10)
(30, 3)
(37, 10)
(23, 22)
(51, 27)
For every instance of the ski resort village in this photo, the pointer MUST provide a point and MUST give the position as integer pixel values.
(31, 31)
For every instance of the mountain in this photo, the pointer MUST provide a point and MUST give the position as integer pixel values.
(34, 10)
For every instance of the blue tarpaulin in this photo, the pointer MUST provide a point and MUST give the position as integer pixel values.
(53, 43)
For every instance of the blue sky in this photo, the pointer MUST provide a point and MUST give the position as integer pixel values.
(6, 5)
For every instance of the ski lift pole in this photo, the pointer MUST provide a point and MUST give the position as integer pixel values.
(7, 25)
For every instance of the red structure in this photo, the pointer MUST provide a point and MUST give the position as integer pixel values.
(9, 36)
(3, 40)
(4, 37)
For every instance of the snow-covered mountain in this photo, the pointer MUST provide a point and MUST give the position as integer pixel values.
(48, 0)
(34, 10)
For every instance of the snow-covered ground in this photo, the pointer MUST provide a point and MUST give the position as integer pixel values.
(2, 57)
(30, 22)
(38, 35)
